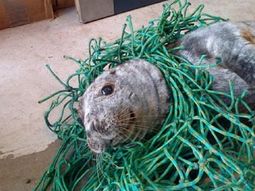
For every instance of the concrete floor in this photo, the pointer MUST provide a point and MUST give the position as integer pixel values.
(26, 145)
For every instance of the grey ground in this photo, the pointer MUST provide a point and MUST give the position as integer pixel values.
(26, 145)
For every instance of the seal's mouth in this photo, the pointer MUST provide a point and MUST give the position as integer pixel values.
(97, 145)
(99, 135)
(103, 134)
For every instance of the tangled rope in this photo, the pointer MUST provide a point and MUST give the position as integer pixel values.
(204, 143)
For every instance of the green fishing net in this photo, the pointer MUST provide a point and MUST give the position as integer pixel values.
(203, 144)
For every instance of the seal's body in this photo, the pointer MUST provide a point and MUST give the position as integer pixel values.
(124, 103)
(128, 101)
(232, 46)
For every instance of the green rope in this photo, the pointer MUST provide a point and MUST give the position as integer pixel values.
(204, 143)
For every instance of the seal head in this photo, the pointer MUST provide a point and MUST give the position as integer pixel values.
(123, 104)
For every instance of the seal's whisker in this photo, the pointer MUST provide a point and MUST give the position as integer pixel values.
(130, 118)
(149, 116)
(126, 119)
(133, 132)
(144, 127)
(125, 130)
(141, 127)
(127, 133)
(124, 110)
(127, 137)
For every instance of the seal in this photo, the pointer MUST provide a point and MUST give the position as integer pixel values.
(123, 104)
(126, 102)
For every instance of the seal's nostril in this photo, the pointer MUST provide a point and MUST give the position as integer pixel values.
(89, 126)
(96, 145)
(92, 126)
(88, 133)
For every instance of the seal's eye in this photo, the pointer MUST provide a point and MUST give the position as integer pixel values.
(107, 90)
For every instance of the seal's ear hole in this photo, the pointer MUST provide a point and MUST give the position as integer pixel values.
(107, 89)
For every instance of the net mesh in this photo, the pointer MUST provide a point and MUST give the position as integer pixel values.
(203, 144)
